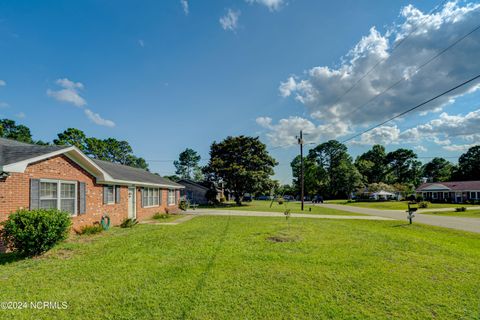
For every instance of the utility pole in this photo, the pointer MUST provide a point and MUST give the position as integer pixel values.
(302, 191)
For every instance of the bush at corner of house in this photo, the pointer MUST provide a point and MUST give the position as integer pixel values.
(423, 205)
(91, 229)
(128, 223)
(183, 205)
(33, 232)
(160, 216)
(461, 209)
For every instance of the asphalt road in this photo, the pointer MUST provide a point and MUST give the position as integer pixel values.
(465, 224)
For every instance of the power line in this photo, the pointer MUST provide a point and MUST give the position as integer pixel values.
(413, 108)
(417, 69)
(386, 58)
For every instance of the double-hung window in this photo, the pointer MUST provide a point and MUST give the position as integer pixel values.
(151, 197)
(171, 197)
(57, 194)
(110, 194)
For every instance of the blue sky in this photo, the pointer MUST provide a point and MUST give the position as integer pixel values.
(164, 79)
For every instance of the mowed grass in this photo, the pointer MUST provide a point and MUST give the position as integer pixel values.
(465, 214)
(268, 206)
(394, 205)
(226, 268)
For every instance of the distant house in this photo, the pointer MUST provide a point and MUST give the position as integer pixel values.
(455, 191)
(64, 178)
(196, 192)
(381, 195)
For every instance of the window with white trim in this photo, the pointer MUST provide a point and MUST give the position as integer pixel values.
(110, 194)
(151, 197)
(473, 195)
(172, 197)
(57, 194)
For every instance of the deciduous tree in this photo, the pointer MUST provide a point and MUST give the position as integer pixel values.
(242, 163)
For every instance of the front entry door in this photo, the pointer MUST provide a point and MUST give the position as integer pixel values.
(131, 203)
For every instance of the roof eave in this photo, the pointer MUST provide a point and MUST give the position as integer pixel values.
(139, 183)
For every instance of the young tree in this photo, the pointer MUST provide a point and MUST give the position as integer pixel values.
(187, 165)
(242, 163)
(438, 169)
(469, 164)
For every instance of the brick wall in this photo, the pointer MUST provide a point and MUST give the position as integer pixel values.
(146, 213)
(15, 193)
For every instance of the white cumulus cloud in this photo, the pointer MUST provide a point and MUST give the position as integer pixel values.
(381, 135)
(327, 92)
(96, 118)
(285, 131)
(69, 92)
(230, 20)
(3, 83)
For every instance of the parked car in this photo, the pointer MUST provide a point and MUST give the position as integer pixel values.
(264, 198)
(288, 197)
(247, 197)
(317, 199)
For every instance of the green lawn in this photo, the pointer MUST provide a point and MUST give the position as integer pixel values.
(295, 207)
(394, 205)
(466, 214)
(227, 268)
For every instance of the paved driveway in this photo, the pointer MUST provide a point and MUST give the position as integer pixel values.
(466, 224)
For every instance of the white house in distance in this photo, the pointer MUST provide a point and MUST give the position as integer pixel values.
(453, 191)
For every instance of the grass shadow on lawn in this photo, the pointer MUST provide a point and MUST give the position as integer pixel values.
(403, 225)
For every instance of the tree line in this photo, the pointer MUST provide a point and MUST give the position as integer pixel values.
(242, 164)
(332, 172)
(110, 149)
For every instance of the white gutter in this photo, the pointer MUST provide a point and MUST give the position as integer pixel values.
(138, 183)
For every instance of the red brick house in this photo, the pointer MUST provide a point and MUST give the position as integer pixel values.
(452, 191)
(62, 177)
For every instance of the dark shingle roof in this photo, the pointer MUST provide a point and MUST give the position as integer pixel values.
(13, 151)
(122, 172)
(452, 185)
(184, 182)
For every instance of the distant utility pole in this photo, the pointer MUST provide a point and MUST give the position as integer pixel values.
(302, 191)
